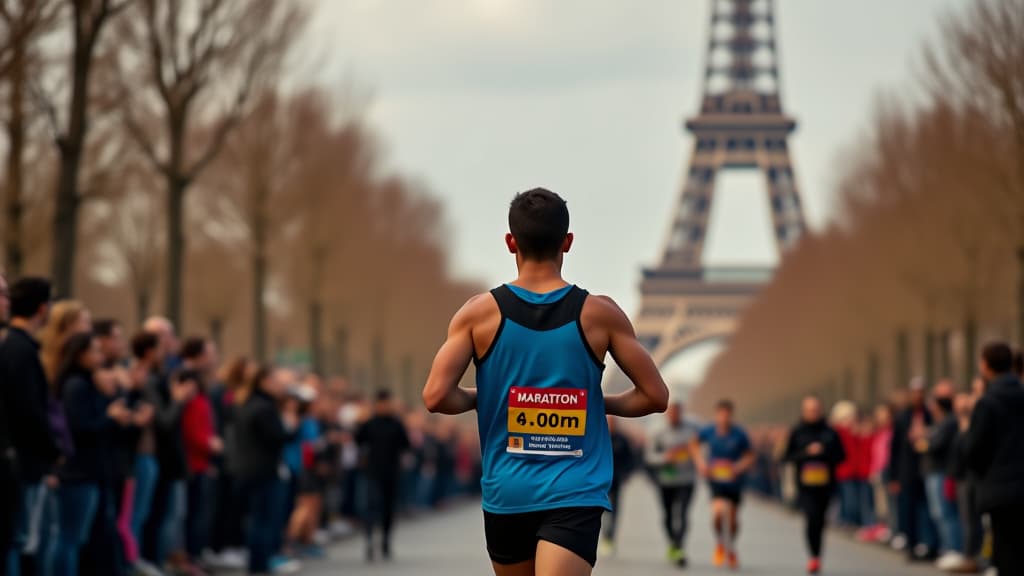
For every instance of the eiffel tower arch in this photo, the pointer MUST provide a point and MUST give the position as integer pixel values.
(740, 125)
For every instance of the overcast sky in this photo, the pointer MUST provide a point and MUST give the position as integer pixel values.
(484, 98)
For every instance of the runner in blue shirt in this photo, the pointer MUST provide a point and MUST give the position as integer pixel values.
(724, 455)
(539, 344)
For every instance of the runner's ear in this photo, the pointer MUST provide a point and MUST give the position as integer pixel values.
(567, 244)
(510, 241)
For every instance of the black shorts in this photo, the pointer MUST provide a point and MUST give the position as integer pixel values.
(512, 538)
(733, 494)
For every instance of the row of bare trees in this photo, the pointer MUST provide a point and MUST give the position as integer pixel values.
(151, 154)
(926, 256)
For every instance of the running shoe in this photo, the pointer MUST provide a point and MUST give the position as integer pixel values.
(814, 566)
(681, 560)
(606, 548)
(734, 561)
(719, 558)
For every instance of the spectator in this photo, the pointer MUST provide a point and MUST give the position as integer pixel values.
(112, 345)
(227, 538)
(966, 489)
(261, 435)
(92, 417)
(844, 421)
(308, 466)
(67, 317)
(993, 448)
(25, 397)
(143, 470)
(382, 440)
(201, 443)
(9, 488)
(909, 432)
(884, 504)
(163, 534)
(935, 465)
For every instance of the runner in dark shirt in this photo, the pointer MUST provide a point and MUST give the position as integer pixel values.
(382, 440)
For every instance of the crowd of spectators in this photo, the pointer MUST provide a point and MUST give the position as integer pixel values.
(131, 452)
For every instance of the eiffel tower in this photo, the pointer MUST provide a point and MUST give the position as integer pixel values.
(740, 125)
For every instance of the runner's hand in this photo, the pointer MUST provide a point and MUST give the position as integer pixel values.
(815, 448)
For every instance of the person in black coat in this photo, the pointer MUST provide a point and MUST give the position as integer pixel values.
(909, 436)
(25, 391)
(993, 449)
(93, 420)
(260, 436)
(382, 441)
(816, 450)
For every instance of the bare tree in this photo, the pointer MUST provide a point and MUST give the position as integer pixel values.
(89, 19)
(22, 24)
(981, 63)
(198, 60)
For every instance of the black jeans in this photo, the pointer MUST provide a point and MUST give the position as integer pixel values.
(675, 505)
(230, 514)
(970, 518)
(10, 504)
(261, 503)
(814, 505)
(1007, 539)
(383, 492)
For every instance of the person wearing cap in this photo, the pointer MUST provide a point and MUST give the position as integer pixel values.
(909, 442)
(382, 441)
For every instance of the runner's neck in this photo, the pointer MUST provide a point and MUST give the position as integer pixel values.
(540, 277)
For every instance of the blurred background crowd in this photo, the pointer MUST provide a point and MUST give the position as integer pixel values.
(128, 450)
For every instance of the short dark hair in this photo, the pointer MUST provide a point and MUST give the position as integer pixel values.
(725, 404)
(193, 347)
(998, 357)
(28, 295)
(104, 327)
(189, 375)
(383, 395)
(539, 221)
(143, 343)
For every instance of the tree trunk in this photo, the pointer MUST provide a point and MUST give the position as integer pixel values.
(217, 331)
(141, 305)
(380, 379)
(341, 367)
(929, 355)
(945, 357)
(1020, 294)
(902, 363)
(176, 187)
(316, 312)
(14, 255)
(970, 349)
(873, 390)
(259, 313)
(70, 145)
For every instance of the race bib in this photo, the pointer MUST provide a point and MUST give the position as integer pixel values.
(814, 474)
(547, 421)
(679, 455)
(722, 471)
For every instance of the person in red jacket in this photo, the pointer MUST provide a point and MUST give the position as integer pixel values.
(844, 421)
(201, 442)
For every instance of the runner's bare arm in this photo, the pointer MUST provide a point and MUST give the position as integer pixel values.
(649, 393)
(698, 457)
(442, 393)
(746, 462)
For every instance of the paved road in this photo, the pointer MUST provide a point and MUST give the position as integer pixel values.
(452, 544)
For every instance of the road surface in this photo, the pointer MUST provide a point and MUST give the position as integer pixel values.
(771, 544)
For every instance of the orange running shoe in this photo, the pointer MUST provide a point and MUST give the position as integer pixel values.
(814, 566)
(734, 562)
(719, 558)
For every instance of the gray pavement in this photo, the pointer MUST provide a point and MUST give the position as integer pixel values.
(771, 544)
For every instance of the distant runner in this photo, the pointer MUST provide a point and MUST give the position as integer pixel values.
(539, 345)
(729, 457)
(815, 449)
(669, 455)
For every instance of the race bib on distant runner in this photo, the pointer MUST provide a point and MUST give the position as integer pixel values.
(679, 455)
(547, 421)
(722, 471)
(814, 474)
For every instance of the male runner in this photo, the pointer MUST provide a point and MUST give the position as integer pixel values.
(674, 469)
(539, 344)
(729, 457)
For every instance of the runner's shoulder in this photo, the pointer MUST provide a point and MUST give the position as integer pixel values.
(477, 309)
(604, 310)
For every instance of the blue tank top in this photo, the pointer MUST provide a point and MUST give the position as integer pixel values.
(543, 434)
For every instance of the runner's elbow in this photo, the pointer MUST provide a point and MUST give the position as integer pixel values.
(659, 399)
(432, 399)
